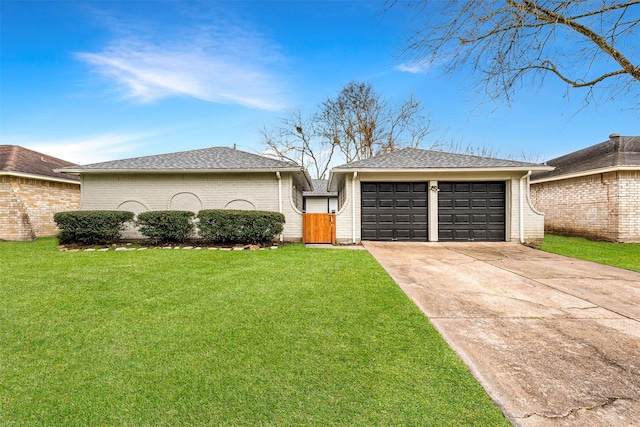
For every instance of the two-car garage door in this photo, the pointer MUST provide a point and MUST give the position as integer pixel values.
(466, 211)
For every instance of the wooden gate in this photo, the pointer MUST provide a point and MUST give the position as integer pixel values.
(319, 228)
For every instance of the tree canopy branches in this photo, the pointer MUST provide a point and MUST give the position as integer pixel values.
(355, 124)
(584, 43)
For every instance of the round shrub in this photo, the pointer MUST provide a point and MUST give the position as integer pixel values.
(166, 226)
(91, 227)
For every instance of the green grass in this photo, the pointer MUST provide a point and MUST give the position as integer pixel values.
(288, 337)
(623, 255)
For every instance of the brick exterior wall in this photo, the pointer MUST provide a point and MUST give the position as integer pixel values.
(602, 206)
(143, 192)
(27, 206)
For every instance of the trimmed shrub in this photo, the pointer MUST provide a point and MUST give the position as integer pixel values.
(166, 226)
(231, 226)
(91, 227)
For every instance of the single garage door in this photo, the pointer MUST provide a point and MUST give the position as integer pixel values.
(471, 211)
(394, 211)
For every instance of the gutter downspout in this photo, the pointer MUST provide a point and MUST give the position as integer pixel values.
(353, 207)
(280, 198)
(522, 241)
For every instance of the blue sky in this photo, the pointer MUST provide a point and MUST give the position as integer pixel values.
(102, 80)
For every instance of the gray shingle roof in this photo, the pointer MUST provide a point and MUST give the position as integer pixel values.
(214, 158)
(618, 151)
(416, 158)
(14, 158)
(320, 189)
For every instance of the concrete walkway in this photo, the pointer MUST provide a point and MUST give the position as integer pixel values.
(554, 341)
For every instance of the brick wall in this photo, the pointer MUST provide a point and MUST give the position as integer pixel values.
(601, 206)
(28, 205)
(629, 206)
(142, 192)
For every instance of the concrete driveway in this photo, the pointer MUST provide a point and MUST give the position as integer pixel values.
(554, 341)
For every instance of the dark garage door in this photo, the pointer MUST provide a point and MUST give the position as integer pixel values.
(471, 211)
(394, 211)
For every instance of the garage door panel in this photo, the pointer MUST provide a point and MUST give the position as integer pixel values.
(496, 219)
(461, 187)
(462, 219)
(496, 203)
(394, 211)
(419, 203)
(403, 219)
(471, 211)
(403, 203)
(479, 219)
(368, 188)
(419, 187)
(445, 187)
(479, 203)
(369, 218)
(402, 188)
(385, 188)
(419, 218)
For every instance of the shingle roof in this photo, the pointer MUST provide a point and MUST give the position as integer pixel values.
(14, 158)
(221, 158)
(320, 189)
(618, 151)
(416, 158)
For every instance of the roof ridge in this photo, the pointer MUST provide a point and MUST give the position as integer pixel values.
(11, 158)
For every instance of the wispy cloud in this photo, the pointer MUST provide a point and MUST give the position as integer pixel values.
(223, 64)
(415, 67)
(90, 149)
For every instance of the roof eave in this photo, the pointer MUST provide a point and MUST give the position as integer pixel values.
(40, 177)
(585, 173)
(445, 170)
(78, 171)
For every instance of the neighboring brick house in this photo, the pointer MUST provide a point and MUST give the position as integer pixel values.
(31, 193)
(593, 192)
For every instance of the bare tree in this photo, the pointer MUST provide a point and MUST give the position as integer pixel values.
(297, 139)
(356, 124)
(583, 43)
(362, 124)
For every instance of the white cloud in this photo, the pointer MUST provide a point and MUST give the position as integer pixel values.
(221, 65)
(91, 149)
(415, 67)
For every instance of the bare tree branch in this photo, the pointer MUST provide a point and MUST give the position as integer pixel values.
(584, 43)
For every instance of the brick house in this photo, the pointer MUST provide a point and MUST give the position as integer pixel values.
(424, 195)
(410, 194)
(31, 193)
(593, 192)
(209, 178)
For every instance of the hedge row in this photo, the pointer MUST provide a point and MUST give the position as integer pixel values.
(216, 226)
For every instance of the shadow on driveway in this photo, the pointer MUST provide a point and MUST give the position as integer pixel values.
(554, 341)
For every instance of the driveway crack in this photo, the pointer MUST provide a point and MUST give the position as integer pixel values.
(608, 401)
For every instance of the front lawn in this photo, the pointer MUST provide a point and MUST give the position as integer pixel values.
(284, 337)
(623, 255)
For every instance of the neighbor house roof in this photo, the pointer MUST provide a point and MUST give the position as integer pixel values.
(214, 159)
(419, 160)
(618, 153)
(320, 189)
(20, 161)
